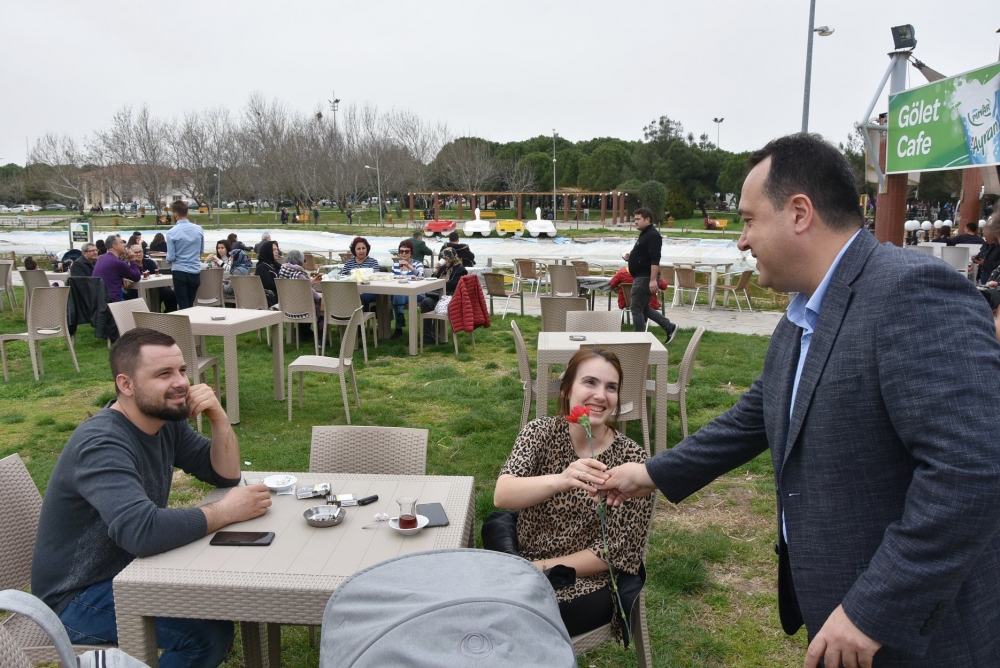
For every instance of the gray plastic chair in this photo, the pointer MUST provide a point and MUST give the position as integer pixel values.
(249, 293)
(380, 450)
(122, 313)
(554, 311)
(340, 300)
(210, 288)
(562, 281)
(295, 299)
(593, 321)
(6, 287)
(497, 287)
(46, 320)
(32, 278)
(524, 369)
(678, 391)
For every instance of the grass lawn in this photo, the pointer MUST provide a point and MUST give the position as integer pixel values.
(712, 592)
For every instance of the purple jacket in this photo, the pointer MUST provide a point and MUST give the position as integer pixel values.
(113, 270)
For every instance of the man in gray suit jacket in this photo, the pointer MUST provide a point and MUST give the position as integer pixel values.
(887, 476)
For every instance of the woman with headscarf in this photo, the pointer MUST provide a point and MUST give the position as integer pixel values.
(238, 265)
(292, 268)
(267, 269)
(452, 270)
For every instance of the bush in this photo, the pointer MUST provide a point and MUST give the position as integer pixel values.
(653, 196)
(678, 204)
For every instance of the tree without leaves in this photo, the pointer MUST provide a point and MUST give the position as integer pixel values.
(515, 177)
(62, 160)
(465, 164)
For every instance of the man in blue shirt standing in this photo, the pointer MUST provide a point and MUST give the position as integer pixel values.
(185, 243)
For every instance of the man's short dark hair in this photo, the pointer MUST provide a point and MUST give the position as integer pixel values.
(126, 353)
(453, 237)
(806, 164)
(972, 226)
(418, 234)
(180, 208)
(644, 212)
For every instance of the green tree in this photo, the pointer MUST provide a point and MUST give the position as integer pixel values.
(733, 173)
(678, 203)
(540, 165)
(603, 168)
(653, 195)
(568, 167)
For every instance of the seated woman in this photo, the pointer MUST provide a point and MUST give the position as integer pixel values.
(405, 266)
(452, 270)
(548, 478)
(219, 259)
(168, 300)
(292, 268)
(238, 265)
(360, 249)
(159, 244)
(267, 269)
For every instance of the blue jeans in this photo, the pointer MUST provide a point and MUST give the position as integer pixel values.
(198, 643)
(400, 302)
(186, 288)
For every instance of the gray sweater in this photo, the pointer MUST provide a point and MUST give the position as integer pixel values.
(106, 503)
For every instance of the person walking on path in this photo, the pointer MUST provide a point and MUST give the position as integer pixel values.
(888, 514)
(185, 243)
(644, 265)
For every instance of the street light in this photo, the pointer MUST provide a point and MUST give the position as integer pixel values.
(334, 105)
(218, 193)
(824, 31)
(554, 135)
(378, 176)
(718, 122)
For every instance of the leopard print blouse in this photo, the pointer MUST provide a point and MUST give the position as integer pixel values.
(568, 522)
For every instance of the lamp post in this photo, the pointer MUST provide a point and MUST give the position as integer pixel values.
(334, 105)
(378, 176)
(554, 135)
(718, 122)
(824, 31)
(218, 194)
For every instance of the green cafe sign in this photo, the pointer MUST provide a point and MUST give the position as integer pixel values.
(946, 124)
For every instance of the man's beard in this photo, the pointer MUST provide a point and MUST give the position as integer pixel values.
(150, 406)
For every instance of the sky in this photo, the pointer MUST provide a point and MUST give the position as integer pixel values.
(504, 71)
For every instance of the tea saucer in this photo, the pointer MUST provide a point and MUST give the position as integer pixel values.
(421, 523)
(277, 483)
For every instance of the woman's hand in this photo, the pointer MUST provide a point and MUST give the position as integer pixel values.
(584, 474)
(991, 284)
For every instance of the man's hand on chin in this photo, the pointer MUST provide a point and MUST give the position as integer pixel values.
(840, 642)
(201, 399)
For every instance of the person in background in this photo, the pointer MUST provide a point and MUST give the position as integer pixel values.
(267, 269)
(548, 478)
(988, 257)
(265, 238)
(115, 267)
(315, 213)
(406, 266)
(623, 277)
(84, 265)
(284, 215)
(30, 264)
(235, 243)
(971, 235)
(159, 244)
(944, 235)
(992, 296)
(644, 265)
(451, 270)
(292, 268)
(106, 501)
(168, 300)
(137, 239)
(420, 249)
(239, 265)
(219, 259)
(185, 243)
(101, 247)
(361, 250)
(463, 251)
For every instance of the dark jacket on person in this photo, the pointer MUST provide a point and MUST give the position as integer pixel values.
(646, 252)
(965, 239)
(420, 250)
(457, 272)
(267, 272)
(88, 305)
(464, 253)
(82, 268)
(158, 247)
(990, 253)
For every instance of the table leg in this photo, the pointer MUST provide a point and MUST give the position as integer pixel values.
(677, 293)
(137, 638)
(711, 288)
(254, 653)
(232, 386)
(660, 441)
(542, 400)
(384, 315)
(414, 325)
(278, 357)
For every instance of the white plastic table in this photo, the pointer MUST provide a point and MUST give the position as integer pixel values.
(239, 321)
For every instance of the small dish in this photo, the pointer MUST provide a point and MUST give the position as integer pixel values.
(277, 483)
(324, 516)
(218, 317)
(421, 523)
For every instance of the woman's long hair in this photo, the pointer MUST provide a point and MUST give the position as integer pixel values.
(569, 377)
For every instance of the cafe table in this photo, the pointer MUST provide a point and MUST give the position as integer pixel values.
(384, 289)
(291, 580)
(59, 276)
(149, 289)
(557, 348)
(558, 259)
(712, 282)
(239, 321)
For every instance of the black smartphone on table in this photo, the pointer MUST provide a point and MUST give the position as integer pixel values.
(242, 538)
(433, 512)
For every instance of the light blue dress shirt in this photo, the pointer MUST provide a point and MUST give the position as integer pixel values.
(803, 312)
(185, 243)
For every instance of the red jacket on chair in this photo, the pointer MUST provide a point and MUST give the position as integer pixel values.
(624, 277)
(467, 309)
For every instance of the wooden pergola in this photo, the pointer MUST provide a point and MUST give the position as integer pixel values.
(617, 199)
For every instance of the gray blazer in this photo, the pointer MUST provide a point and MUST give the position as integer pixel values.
(888, 471)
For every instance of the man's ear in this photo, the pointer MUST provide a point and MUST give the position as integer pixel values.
(125, 385)
(805, 214)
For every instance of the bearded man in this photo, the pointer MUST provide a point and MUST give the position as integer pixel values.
(106, 502)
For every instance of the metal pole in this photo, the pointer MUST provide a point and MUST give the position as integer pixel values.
(218, 194)
(378, 176)
(553, 177)
(809, 61)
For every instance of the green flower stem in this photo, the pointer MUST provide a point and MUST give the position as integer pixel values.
(602, 508)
